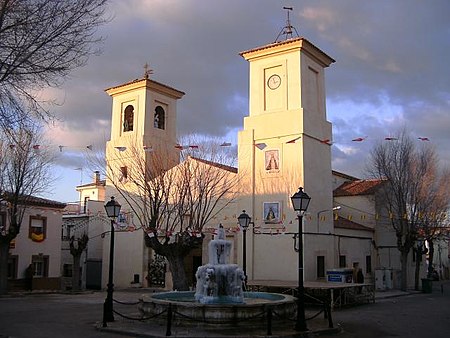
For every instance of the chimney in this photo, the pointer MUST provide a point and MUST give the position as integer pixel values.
(96, 177)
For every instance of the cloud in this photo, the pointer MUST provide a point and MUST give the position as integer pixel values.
(391, 66)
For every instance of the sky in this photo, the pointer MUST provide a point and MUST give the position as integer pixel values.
(391, 72)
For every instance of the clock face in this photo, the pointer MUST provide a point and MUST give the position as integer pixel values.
(274, 81)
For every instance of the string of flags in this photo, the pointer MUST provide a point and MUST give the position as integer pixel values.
(259, 145)
(177, 146)
(388, 138)
(280, 227)
(262, 145)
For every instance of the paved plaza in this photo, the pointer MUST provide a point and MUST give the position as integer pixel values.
(79, 315)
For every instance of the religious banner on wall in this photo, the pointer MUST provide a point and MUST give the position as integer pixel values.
(271, 212)
(272, 160)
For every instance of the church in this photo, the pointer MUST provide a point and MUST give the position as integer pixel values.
(284, 144)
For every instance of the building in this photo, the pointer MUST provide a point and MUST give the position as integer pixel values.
(36, 250)
(284, 144)
(85, 217)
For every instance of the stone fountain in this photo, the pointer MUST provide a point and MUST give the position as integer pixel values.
(218, 281)
(219, 297)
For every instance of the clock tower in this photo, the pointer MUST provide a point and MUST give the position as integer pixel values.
(284, 145)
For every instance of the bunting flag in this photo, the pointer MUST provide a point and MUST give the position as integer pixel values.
(391, 138)
(193, 147)
(89, 147)
(326, 141)
(260, 146)
(121, 148)
(423, 138)
(225, 144)
(36, 147)
(179, 146)
(359, 139)
(148, 149)
(295, 139)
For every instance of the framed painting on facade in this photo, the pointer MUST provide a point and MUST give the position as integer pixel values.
(271, 212)
(272, 160)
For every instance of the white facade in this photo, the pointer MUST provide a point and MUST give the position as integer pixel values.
(89, 218)
(38, 244)
(285, 143)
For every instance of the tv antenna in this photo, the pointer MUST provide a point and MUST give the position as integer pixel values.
(287, 30)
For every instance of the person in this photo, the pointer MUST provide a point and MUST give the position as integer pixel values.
(360, 277)
(29, 272)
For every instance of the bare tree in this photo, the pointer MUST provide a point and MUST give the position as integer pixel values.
(408, 171)
(433, 215)
(41, 41)
(77, 246)
(174, 203)
(24, 171)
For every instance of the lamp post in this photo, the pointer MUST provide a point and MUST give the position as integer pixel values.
(244, 222)
(300, 201)
(112, 210)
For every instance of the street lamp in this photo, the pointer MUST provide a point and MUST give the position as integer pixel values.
(112, 210)
(300, 201)
(244, 222)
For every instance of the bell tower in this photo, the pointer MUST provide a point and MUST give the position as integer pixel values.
(285, 144)
(144, 115)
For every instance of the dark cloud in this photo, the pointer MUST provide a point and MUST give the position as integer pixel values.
(391, 66)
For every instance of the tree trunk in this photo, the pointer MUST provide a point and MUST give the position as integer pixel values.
(430, 258)
(76, 273)
(404, 270)
(176, 266)
(4, 253)
(418, 254)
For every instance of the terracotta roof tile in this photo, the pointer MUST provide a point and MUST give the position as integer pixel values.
(100, 183)
(359, 187)
(35, 201)
(146, 81)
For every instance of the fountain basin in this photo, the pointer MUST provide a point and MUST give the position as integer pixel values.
(187, 309)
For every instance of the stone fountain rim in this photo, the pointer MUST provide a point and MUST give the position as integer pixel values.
(247, 294)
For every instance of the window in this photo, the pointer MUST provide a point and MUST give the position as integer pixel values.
(86, 200)
(342, 261)
(368, 264)
(2, 220)
(128, 117)
(12, 266)
(38, 228)
(320, 266)
(159, 118)
(40, 265)
(67, 270)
